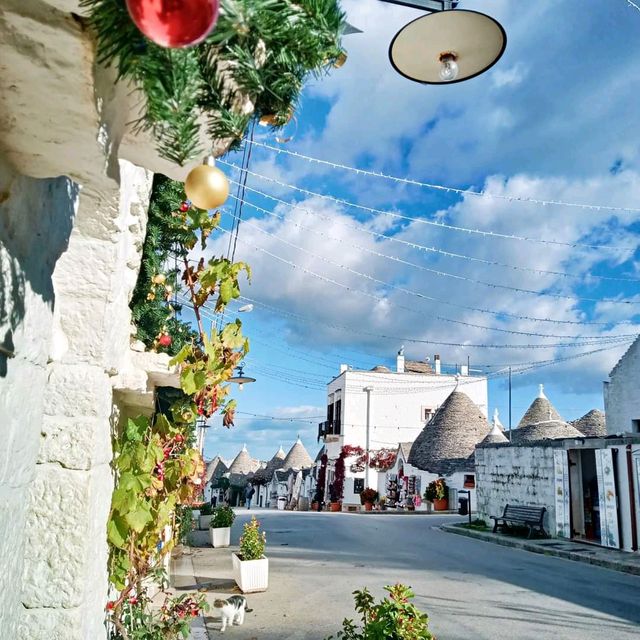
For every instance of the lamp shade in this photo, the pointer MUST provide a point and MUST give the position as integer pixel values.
(473, 40)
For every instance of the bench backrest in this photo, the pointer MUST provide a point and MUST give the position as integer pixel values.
(524, 512)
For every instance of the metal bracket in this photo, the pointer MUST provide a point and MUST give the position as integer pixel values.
(426, 5)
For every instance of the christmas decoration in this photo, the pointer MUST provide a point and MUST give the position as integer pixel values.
(178, 23)
(184, 207)
(164, 340)
(206, 186)
(159, 278)
(261, 52)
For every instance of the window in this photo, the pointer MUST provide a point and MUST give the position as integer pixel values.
(427, 413)
(358, 485)
(336, 417)
(470, 481)
(635, 426)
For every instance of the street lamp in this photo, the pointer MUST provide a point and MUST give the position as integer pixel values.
(447, 45)
(240, 378)
(368, 391)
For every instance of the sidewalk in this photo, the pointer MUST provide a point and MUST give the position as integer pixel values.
(567, 549)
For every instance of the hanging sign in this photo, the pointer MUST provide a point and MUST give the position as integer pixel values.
(561, 482)
(609, 533)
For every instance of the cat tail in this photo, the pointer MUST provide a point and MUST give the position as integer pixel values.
(246, 607)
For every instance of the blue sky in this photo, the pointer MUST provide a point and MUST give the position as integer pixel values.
(556, 119)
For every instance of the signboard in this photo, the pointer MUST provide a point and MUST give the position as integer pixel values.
(609, 534)
(561, 481)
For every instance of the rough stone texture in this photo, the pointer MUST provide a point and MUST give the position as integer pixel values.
(621, 397)
(447, 442)
(515, 475)
(50, 624)
(592, 423)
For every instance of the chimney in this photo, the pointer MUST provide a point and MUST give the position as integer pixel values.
(343, 368)
(436, 364)
(464, 369)
(400, 360)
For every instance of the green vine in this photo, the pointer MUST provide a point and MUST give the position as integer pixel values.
(262, 50)
(158, 472)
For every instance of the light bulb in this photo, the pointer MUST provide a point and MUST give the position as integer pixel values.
(240, 386)
(449, 67)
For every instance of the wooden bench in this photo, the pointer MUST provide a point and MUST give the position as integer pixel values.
(531, 517)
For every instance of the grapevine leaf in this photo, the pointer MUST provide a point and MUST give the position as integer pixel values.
(117, 530)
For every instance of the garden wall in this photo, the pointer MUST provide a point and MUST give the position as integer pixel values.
(515, 475)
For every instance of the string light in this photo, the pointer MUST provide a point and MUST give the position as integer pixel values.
(400, 339)
(413, 245)
(417, 294)
(440, 273)
(445, 188)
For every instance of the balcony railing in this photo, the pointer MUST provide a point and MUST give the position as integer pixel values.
(329, 428)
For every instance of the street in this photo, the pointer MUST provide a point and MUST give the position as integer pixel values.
(470, 589)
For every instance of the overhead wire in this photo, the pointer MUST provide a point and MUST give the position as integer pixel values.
(446, 188)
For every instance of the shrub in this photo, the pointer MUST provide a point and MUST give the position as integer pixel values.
(393, 618)
(253, 541)
(436, 490)
(222, 517)
(206, 509)
(368, 495)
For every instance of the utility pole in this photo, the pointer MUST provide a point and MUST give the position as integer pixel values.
(368, 391)
(509, 404)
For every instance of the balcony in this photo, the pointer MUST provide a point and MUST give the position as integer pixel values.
(329, 428)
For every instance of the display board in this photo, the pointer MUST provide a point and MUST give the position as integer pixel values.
(605, 470)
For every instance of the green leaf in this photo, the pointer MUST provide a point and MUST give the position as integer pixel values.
(136, 428)
(226, 291)
(123, 501)
(117, 531)
(139, 518)
(181, 356)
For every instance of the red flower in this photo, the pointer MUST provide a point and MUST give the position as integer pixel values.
(133, 600)
(110, 605)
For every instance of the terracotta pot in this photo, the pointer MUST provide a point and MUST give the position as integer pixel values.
(314, 506)
(368, 506)
(440, 505)
(335, 506)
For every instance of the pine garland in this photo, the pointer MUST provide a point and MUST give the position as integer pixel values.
(263, 50)
(152, 308)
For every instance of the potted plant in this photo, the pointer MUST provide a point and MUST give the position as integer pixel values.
(250, 566)
(368, 497)
(334, 502)
(383, 503)
(206, 513)
(220, 527)
(437, 492)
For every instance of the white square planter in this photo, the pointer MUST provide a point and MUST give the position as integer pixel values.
(204, 522)
(220, 536)
(251, 575)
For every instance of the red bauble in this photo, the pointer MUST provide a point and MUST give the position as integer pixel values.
(185, 207)
(164, 340)
(174, 23)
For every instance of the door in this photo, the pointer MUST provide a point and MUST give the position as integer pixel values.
(561, 481)
(608, 499)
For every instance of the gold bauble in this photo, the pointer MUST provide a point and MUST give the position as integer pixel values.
(159, 278)
(206, 186)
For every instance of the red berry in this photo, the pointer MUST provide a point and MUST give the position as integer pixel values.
(179, 438)
(133, 600)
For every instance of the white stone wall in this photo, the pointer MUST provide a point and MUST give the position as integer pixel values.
(515, 475)
(622, 393)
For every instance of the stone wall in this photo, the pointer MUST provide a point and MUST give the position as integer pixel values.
(621, 396)
(515, 475)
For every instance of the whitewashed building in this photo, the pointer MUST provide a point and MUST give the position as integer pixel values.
(622, 393)
(381, 408)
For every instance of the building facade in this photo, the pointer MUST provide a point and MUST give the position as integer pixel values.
(622, 393)
(381, 408)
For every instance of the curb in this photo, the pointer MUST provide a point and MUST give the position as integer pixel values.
(577, 556)
(198, 629)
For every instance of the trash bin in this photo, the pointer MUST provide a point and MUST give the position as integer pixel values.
(463, 506)
(282, 502)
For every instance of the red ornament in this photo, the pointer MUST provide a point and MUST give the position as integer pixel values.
(184, 207)
(164, 340)
(174, 23)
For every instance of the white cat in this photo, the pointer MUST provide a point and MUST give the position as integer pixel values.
(231, 610)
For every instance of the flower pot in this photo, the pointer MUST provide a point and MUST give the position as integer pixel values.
(440, 504)
(204, 522)
(368, 506)
(220, 536)
(314, 506)
(335, 506)
(251, 576)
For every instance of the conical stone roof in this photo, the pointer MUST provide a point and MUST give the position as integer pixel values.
(243, 463)
(545, 430)
(541, 410)
(215, 469)
(266, 473)
(495, 436)
(297, 457)
(448, 442)
(591, 424)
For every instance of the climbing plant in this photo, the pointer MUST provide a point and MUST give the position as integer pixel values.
(260, 51)
(158, 471)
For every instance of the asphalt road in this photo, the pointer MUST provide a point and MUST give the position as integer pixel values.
(471, 590)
